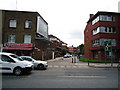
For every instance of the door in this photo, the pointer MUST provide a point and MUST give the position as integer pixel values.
(7, 65)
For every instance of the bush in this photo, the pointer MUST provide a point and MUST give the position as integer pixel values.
(84, 59)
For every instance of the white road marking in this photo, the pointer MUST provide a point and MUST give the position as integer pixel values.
(66, 66)
(83, 76)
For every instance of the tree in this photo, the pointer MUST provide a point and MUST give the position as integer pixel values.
(80, 49)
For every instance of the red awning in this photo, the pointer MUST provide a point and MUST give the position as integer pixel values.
(17, 46)
(5, 48)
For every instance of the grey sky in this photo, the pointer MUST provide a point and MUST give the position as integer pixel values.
(66, 18)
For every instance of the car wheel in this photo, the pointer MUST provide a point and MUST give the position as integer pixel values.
(17, 71)
(40, 66)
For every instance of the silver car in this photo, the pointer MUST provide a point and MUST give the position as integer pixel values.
(41, 65)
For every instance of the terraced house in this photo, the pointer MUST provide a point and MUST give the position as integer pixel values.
(102, 36)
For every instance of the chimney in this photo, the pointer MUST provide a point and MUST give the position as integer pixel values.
(91, 15)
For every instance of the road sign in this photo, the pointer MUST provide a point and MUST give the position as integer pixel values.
(107, 45)
(108, 42)
(108, 48)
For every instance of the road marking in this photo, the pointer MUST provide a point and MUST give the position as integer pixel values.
(62, 66)
(66, 66)
(83, 76)
(56, 66)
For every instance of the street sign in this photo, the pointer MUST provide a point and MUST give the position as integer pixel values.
(108, 48)
(107, 45)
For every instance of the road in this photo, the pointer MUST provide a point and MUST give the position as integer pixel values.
(64, 74)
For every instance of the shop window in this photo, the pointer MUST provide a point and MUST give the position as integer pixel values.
(12, 23)
(27, 39)
(11, 38)
(28, 24)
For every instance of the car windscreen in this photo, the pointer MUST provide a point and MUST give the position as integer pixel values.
(16, 57)
(27, 58)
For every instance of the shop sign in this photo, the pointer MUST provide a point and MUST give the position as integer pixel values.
(18, 46)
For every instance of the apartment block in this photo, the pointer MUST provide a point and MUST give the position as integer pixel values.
(102, 36)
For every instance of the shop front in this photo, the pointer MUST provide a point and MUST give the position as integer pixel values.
(19, 48)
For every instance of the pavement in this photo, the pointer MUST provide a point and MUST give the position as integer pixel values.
(75, 62)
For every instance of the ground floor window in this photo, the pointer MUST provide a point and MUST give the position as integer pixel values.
(95, 54)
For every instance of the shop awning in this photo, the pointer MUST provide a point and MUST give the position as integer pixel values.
(17, 46)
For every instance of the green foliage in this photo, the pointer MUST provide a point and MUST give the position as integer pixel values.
(81, 48)
(84, 59)
(63, 52)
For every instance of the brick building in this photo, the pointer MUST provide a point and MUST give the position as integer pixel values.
(72, 49)
(24, 33)
(57, 46)
(102, 27)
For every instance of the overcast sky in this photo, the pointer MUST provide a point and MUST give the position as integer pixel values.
(66, 18)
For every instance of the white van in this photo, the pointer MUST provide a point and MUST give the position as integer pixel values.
(11, 63)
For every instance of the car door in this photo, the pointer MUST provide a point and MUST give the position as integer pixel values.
(7, 66)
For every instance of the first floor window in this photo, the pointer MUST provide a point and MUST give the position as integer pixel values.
(101, 42)
(27, 39)
(11, 38)
(12, 23)
(28, 24)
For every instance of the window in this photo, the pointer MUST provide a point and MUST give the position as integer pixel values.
(11, 38)
(27, 39)
(28, 24)
(109, 18)
(12, 23)
(87, 30)
(103, 18)
(28, 59)
(101, 42)
(95, 20)
(5, 58)
(103, 29)
(96, 42)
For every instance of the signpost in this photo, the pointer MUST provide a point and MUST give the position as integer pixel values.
(108, 50)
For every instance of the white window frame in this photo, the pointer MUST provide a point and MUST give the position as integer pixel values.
(28, 24)
(12, 23)
(11, 38)
(27, 38)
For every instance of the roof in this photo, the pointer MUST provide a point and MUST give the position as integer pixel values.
(102, 13)
(25, 12)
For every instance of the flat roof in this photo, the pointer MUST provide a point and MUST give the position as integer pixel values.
(103, 13)
(24, 12)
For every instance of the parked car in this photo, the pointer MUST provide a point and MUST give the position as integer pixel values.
(11, 63)
(37, 63)
(67, 55)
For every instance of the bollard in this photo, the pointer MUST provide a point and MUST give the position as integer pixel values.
(72, 60)
(88, 63)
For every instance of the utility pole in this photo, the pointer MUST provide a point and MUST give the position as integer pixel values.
(16, 4)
